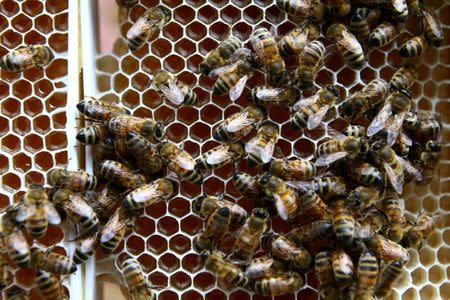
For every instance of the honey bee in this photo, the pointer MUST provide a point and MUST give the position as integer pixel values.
(309, 62)
(126, 3)
(432, 27)
(99, 111)
(317, 230)
(180, 162)
(367, 275)
(361, 172)
(285, 250)
(266, 47)
(343, 222)
(221, 155)
(123, 124)
(279, 284)
(427, 159)
(423, 126)
(337, 148)
(294, 42)
(399, 9)
(394, 209)
(356, 131)
(263, 267)
(363, 197)
(414, 47)
(347, 45)
(222, 269)
(260, 148)
(247, 185)
(77, 209)
(220, 55)
(105, 202)
(342, 267)
(140, 147)
(134, 277)
(249, 236)
(113, 231)
(77, 181)
(297, 169)
(359, 26)
(388, 277)
(205, 206)
(153, 19)
(310, 111)
(120, 174)
(240, 123)
(52, 262)
(27, 57)
(17, 248)
(85, 248)
(265, 95)
(386, 249)
(92, 134)
(37, 212)
(393, 165)
(215, 228)
(312, 9)
(177, 92)
(162, 189)
(327, 186)
(382, 35)
(49, 286)
(285, 198)
(104, 150)
(324, 272)
(341, 8)
(403, 78)
(16, 293)
(365, 99)
(312, 205)
(423, 227)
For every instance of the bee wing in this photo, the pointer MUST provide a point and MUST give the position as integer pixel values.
(238, 88)
(173, 92)
(333, 133)
(111, 228)
(86, 245)
(269, 94)
(396, 182)
(409, 168)
(315, 119)
(24, 211)
(220, 154)
(142, 25)
(300, 185)
(184, 160)
(281, 209)
(395, 127)
(406, 139)
(330, 158)
(434, 25)
(239, 122)
(380, 119)
(222, 70)
(79, 206)
(300, 41)
(52, 214)
(17, 241)
(266, 152)
(305, 102)
(350, 42)
(240, 53)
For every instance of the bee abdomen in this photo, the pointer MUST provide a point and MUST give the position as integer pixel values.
(413, 47)
(48, 285)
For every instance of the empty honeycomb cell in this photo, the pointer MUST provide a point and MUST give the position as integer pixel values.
(215, 295)
(303, 148)
(55, 101)
(225, 172)
(151, 99)
(230, 14)
(33, 37)
(10, 143)
(56, 6)
(190, 263)
(192, 148)
(61, 21)
(44, 160)
(185, 47)
(10, 107)
(193, 63)
(177, 132)
(34, 177)
(135, 245)
(158, 279)
(144, 226)
(4, 90)
(165, 114)
(213, 186)
(444, 91)
(413, 204)
(21, 125)
(242, 30)
(173, 64)
(58, 42)
(108, 64)
(429, 204)
(173, 31)
(428, 292)
(131, 99)
(4, 200)
(21, 162)
(57, 69)
(207, 84)
(161, 47)
(44, 24)
(103, 83)
(157, 244)
(191, 224)
(120, 82)
(9, 7)
(436, 274)
(289, 133)
(169, 262)
(120, 47)
(10, 182)
(180, 281)
(33, 143)
(59, 120)
(274, 15)
(426, 256)
(140, 81)
(148, 263)
(187, 114)
(207, 14)
(22, 89)
(179, 207)
(284, 147)
(184, 14)
(210, 114)
(219, 31)
(196, 31)
(200, 132)
(279, 114)
(56, 140)
(180, 244)
(204, 281)
(167, 226)
(4, 126)
(418, 276)
(61, 158)
(156, 210)
(43, 88)
(4, 164)
(207, 45)
(190, 190)
(443, 255)
(21, 23)
(34, 74)
(253, 14)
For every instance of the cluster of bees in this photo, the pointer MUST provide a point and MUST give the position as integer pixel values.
(354, 232)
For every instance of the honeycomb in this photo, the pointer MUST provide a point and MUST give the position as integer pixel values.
(33, 115)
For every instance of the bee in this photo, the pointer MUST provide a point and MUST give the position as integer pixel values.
(364, 100)
(285, 198)
(140, 147)
(99, 111)
(279, 284)
(105, 202)
(427, 159)
(423, 126)
(49, 286)
(221, 155)
(177, 92)
(104, 150)
(151, 20)
(309, 63)
(399, 9)
(120, 175)
(77, 181)
(414, 47)
(342, 267)
(341, 8)
(260, 148)
(249, 236)
(37, 212)
(123, 124)
(312, 205)
(403, 78)
(85, 248)
(382, 35)
(222, 269)
(343, 222)
(27, 57)
(285, 250)
(317, 230)
(240, 123)
(17, 248)
(294, 42)
(126, 3)
(52, 262)
(77, 209)
(205, 206)
(373, 221)
(220, 55)
(297, 169)
(359, 26)
(432, 27)
(363, 197)
(247, 185)
(263, 267)
(266, 47)
(3, 271)
(310, 111)
(134, 277)
(356, 131)
(388, 277)
(267, 95)
(386, 249)
(394, 209)
(393, 165)
(180, 162)
(337, 148)
(324, 271)
(361, 172)
(113, 231)
(215, 228)
(312, 9)
(347, 45)
(327, 186)
(92, 134)
(16, 293)
(367, 275)
(423, 227)
(162, 189)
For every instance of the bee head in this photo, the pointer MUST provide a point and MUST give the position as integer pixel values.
(261, 213)
(434, 146)
(203, 257)
(348, 108)
(156, 130)
(204, 69)
(166, 12)
(265, 179)
(333, 89)
(197, 203)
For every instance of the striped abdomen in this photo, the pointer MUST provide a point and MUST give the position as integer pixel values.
(367, 275)
(343, 224)
(382, 35)
(312, 205)
(413, 47)
(49, 286)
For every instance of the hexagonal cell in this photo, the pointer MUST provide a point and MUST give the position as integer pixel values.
(165, 114)
(108, 64)
(207, 14)
(56, 69)
(187, 114)
(219, 31)
(61, 21)
(11, 39)
(120, 82)
(191, 224)
(144, 226)
(53, 235)
(230, 14)
(242, 30)
(21, 23)
(169, 262)
(4, 164)
(253, 14)
(10, 144)
(193, 63)
(184, 14)
(190, 263)
(180, 281)
(58, 42)
(10, 107)
(167, 226)
(180, 244)
(9, 7)
(418, 276)
(147, 262)
(34, 177)
(428, 292)
(22, 89)
(196, 30)
(200, 131)
(215, 295)
(304, 148)
(156, 210)
(44, 160)
(204, 281)
(43, 88)
(21, 162)
(55, 101)
(59, 120)
(44, 24)
(185, 47)
(177, 132)
(56, 140)
(21, 125)
(135, 245)
(161, 47)
(140, 81)
(174, 64)
(56, 6)
(157, 244)
(173, 31)
(213, 186)
(10, 182)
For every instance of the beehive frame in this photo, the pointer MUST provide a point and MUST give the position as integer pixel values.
(195, 29)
